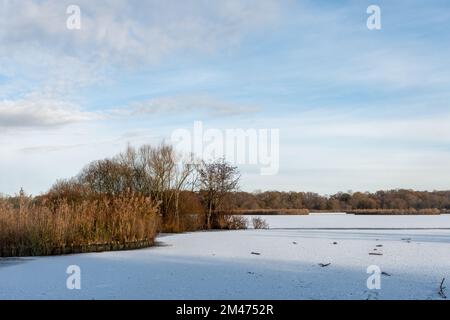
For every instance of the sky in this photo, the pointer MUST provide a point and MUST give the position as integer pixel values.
(356, 109)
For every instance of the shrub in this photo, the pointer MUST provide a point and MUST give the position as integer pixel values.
(232, 222)
(259, 223)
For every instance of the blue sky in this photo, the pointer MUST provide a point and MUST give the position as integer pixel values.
(357, 109)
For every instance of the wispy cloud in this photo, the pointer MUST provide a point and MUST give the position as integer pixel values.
(184, 105)
(40, 113)
(127, 31)
(47, 149)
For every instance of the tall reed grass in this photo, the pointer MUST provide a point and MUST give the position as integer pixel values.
(399, 212)
(30, 227)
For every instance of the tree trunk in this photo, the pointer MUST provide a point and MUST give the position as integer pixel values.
(177, 215)
(208, 217)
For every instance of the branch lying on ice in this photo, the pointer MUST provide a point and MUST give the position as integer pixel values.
(323, 265)
(442, 289)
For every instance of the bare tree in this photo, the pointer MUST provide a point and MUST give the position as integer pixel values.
(168, 176)
(139, 179)
(181, 182)
(217, 179)
(106, 177)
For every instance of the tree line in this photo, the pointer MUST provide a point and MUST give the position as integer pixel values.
(400, 199)
(189, 193)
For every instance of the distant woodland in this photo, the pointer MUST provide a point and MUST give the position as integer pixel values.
(343, 201)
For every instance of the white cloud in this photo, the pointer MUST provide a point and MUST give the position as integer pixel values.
(123, 30)
(35, 113)
(39, 54)
(185, 104)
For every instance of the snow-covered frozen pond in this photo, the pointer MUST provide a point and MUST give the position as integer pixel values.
(280, 263)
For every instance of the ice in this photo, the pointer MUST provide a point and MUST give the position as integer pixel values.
(415, 257)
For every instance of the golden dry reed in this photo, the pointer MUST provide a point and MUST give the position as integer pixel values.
(30, 227)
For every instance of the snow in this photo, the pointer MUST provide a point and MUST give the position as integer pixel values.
(333, 220)
(220, 264)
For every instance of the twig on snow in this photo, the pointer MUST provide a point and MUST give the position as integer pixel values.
(323, 265)
(442, 289)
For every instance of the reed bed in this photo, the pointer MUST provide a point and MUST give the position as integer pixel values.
(395, 212)
(271, 212)
(33, 228)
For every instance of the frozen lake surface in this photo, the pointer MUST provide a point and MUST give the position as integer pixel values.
(279, 263)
